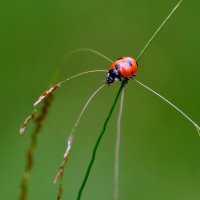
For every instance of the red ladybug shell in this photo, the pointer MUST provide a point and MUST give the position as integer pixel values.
(126, 66)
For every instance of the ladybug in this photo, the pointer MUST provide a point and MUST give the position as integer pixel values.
(125, 67)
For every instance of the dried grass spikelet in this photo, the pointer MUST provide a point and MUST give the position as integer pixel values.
(46, 93)
(26, 121)
(32, 116)
(66, 156)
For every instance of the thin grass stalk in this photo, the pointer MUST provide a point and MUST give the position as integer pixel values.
(171, 104)
(86, 49)
(157, 31)
(117, 148)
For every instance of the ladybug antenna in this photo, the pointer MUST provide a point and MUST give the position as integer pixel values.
(171, 104)
(70, 138)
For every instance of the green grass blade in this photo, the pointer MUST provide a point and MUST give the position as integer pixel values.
(99, 140)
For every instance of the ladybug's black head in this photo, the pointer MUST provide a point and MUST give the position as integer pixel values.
(109, 80)
(113, 75)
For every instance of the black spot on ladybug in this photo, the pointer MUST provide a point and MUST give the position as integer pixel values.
(129, 63)
(119, 58)
(117, 66)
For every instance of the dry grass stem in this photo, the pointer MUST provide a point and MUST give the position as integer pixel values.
(31, 149)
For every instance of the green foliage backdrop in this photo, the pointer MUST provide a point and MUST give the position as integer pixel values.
(159, 156)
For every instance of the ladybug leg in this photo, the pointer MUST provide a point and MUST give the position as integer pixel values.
(120, 78)
(125, 81)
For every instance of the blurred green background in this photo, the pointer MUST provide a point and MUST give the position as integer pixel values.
(159, 153)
